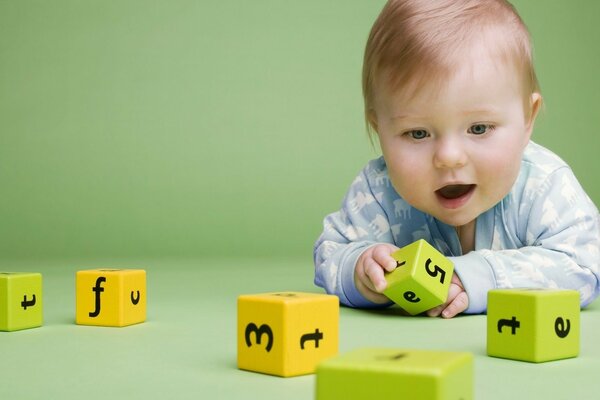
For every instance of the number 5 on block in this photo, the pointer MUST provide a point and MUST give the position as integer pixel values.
(422, 278)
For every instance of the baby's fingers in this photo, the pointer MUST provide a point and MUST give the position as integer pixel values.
(458, 305)
(436, 311)
(374, 272)
(382, 256)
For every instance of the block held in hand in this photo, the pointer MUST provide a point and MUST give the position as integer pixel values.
(422, 279)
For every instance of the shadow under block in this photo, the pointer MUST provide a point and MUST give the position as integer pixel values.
(110, 297)
(386, 373)
(20, 301)
(286, 333)
(533, 325)
(422, 278)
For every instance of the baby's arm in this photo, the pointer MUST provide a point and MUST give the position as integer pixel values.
(353, 253)
(349, 235)
(558, 246)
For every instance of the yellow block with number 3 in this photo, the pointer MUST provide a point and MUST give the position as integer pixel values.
(286, 333)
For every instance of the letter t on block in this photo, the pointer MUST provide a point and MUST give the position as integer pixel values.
(20, 300)
(110, 297)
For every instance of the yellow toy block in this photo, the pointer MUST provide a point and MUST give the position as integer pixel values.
(286, 333)
(534, 325)
(396, 374)
(20, 300)
(422, 278)
(110, 297)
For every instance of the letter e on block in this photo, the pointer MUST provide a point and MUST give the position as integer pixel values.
(286, 333)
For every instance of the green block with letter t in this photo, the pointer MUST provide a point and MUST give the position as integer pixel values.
(533, 325)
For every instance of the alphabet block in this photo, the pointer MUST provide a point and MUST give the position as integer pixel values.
(20, 300)
(534, 325)
(422, 278)
(396, 374)
(286, 333)
(110, 297)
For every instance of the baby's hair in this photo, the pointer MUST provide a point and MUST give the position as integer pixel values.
(414, 42)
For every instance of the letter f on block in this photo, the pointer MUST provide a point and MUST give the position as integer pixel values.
(97, 289)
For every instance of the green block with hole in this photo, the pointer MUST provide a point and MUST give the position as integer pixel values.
(533, 325)
(20, 300)
(422, 278)
(388, 373)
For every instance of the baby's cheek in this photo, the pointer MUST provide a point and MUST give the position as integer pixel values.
(410, 185)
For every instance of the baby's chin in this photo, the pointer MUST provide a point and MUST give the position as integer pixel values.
(457, 222)
(455, 218)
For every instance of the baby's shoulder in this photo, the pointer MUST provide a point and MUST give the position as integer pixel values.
(376, 173)
(540, 161)
(540, 169)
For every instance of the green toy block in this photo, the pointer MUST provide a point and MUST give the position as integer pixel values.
(534, 325)
(422, 278)
(20, 301)
(396, 374)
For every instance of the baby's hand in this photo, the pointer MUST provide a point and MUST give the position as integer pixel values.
(457, 301)
(370, 269)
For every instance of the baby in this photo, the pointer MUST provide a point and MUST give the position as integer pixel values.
(451, 94)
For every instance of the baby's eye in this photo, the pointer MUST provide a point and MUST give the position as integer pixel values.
(480, 129)
(417, 134)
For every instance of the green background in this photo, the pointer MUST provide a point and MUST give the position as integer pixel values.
(221, 132)
(218, 128)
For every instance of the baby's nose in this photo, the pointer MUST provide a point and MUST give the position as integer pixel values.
(449, 153)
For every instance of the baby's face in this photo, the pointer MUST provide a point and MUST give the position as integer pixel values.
(455, 152)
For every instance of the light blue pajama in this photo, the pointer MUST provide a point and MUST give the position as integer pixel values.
(544, 233)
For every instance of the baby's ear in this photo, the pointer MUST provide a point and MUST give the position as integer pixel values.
(535, 103)
(372, 120)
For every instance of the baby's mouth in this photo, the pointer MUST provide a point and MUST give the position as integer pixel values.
(452, 192)
(453, 197)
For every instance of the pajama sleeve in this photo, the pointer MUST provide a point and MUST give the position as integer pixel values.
(557, 244)
(360, 223)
